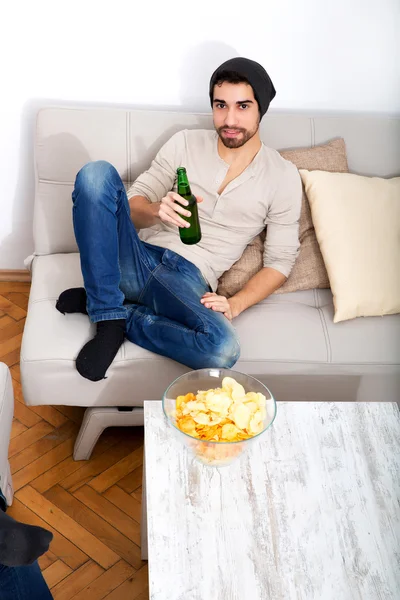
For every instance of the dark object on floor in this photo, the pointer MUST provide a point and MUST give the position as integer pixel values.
(21, 544)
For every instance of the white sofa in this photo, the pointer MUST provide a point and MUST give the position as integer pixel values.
(288, 341)
(6, 417)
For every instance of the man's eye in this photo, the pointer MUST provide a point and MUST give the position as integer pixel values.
(220, 105)
(244, 106)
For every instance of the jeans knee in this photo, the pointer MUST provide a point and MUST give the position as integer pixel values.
(94, 176)
(227, 354)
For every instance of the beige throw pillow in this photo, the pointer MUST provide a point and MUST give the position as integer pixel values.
(309, 270)
(357, 223)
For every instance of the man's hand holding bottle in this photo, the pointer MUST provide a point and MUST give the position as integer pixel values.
(173, 205)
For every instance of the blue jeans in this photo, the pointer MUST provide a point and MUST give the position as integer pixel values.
(23, 583)
(156, 290)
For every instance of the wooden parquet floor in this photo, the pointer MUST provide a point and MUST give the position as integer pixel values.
(92, 507)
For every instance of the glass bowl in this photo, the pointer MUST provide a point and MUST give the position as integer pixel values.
(214, 453)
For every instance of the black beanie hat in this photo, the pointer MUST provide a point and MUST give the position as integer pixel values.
(255, 74)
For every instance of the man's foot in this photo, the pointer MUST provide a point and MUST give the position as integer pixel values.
(97, 355)
(21, 544)
(72, 301)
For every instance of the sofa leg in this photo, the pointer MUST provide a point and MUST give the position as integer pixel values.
(96, 420)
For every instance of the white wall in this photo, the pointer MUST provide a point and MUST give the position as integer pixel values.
(329, 55)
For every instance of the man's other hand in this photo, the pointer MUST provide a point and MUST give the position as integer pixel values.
(220, 304)
(173, 205)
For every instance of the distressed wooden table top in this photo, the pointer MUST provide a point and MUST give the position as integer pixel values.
(310, 512)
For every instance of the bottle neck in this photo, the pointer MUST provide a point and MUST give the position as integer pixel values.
(184, 189)
(183, 184)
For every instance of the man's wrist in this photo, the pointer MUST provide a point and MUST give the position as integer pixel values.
(235, 305)
(144, 213)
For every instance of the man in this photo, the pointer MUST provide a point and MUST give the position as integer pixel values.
(155, 290)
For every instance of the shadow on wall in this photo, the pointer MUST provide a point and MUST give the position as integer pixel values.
(195, 72)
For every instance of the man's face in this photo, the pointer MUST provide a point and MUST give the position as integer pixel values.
(235, 113)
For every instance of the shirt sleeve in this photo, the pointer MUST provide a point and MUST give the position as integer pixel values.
(159, 179)
(282, 240)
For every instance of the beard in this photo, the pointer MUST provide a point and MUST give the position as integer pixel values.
(239, 141)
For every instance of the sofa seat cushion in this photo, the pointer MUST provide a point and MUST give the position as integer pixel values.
(288, 333)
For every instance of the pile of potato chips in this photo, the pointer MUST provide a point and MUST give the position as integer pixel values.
(226, 414)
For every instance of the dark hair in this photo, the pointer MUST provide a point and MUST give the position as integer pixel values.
(230, 77)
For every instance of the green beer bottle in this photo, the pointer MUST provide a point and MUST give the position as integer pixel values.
(192, 234)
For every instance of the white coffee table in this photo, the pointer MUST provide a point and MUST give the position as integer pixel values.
(311, 512)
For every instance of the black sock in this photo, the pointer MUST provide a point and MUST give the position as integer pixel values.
(72, 301)
(21, 544)
(97, 355)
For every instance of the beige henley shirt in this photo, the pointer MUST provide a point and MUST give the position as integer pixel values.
(267, 193)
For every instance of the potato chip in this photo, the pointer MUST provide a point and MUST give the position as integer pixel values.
(256, 423)
(233, 387)
(179, 401)
(252, 407)
(219, 403)
(187, 424)
(251, 397)
(243, 436)
(262, 401)
(202, 418)
(193, 407)
(229, 431)
(241, 416)
(210, 433)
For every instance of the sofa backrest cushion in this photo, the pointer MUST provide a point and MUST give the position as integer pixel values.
(67, 138)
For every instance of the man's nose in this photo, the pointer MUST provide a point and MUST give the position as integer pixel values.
(231, 117)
